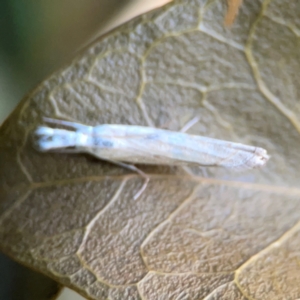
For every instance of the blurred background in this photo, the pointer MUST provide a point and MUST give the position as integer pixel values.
(36, 38)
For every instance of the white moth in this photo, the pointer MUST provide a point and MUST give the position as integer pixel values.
(121, 144)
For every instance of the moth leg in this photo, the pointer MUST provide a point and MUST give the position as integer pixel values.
(74, 125)
(140, 172)
(185, 128)
(135, 169)
(190, 124)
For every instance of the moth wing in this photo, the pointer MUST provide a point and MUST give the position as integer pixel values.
(145, 145)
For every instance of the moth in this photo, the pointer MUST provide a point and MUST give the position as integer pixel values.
(126, 145)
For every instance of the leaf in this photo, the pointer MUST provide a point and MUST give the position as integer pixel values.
(233, 9)
(193, 233)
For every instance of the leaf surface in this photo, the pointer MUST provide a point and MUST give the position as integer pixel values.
(194, 233)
